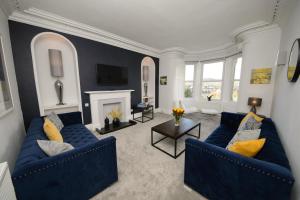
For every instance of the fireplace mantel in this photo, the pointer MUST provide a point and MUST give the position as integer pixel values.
(107, 91)
(100, 98)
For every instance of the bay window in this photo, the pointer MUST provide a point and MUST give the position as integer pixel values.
(212, 78)
(236, 81)
(189, 80)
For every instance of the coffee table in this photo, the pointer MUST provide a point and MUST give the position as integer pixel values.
(169, 130)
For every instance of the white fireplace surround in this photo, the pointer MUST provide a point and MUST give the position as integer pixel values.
(100, 99)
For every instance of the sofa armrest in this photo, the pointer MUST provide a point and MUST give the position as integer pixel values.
(220, 174)
(86, 170)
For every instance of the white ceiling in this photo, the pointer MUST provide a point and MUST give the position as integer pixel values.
(194, 25)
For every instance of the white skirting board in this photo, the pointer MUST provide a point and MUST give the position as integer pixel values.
(7, 191)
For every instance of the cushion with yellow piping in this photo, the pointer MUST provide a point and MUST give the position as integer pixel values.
(51, 131)
(247, 148)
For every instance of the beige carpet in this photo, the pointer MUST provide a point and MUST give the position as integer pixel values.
(146, 173)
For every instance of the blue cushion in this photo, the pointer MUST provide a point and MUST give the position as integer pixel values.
(70, 118)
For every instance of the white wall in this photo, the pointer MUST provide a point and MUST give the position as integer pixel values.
(286, 108)
(171, 64)
(259, 51)
(11, 125)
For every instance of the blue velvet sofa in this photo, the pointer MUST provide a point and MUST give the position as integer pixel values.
(217, 173)
(77, 174)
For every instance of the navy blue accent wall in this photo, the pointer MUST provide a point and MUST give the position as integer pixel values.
(90, 53)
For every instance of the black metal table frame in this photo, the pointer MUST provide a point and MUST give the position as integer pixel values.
(175, 141)
(143, 115)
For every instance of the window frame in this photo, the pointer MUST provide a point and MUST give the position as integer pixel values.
(222, 80)
(234, 80)
(194, 77)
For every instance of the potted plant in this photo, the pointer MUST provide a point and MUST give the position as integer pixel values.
(116, 115)
(177, 113)
(209, 97)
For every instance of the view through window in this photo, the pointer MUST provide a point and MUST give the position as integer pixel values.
(236, 81)
(212, 80)
(189, 81)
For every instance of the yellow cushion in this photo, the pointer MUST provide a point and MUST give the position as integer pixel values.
(247, 148)
(51, 131)
(256, 117)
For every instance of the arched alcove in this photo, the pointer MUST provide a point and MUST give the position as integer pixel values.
(148, 61)
(46, 93)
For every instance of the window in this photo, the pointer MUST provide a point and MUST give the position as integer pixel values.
(212, 80)
(189, 81)
(236, 81)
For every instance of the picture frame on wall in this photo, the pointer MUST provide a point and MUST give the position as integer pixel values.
(261, 76)
(163, 80)
(6, 103)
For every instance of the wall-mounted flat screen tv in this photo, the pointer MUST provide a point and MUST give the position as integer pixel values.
(110, 75)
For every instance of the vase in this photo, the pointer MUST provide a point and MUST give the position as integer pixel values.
(177, 120)
(106, 122)
(116, 122)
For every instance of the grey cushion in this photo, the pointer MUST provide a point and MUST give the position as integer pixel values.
(250, 124)
(244, 135)
(52, 148)
(55, 120)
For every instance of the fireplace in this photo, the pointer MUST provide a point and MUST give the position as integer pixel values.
(102, 102)
(107, 105)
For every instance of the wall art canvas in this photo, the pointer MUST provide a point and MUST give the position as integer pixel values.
(261, 76)
(163, 80)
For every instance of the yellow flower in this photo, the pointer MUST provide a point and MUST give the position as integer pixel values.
(178, 111)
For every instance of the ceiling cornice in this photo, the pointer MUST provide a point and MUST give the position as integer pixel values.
(240, 30)
(51, 21)
(215, 49)
(54, 22)
(177, 50)
(247, 34)
(213, 53)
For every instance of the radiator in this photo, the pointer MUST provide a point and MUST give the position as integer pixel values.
(7, 191)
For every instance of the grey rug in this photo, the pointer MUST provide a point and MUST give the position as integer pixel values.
(147, 173)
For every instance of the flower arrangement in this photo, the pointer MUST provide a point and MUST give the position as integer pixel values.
(177, 113)
(116, 114)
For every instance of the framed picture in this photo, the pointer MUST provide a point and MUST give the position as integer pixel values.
(163, 80)
(6, 104)
(261, 76)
